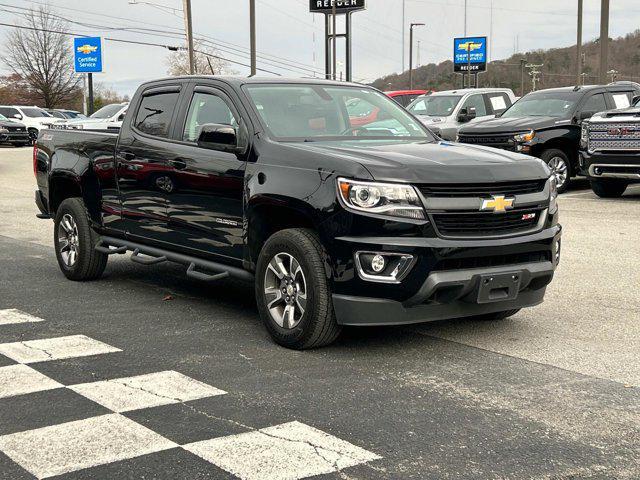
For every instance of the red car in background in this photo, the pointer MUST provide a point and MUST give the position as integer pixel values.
(405, 97)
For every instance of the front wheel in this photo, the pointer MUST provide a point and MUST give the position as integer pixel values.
(560, 167)
(611, 188)
(75, 242)
(292, 290)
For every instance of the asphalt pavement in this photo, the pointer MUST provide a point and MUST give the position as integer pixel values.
(149, 374)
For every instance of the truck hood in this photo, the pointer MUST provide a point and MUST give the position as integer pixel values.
(511, 125)
(441, 162)
(10, 123)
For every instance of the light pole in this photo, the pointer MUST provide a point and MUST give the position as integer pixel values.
(411, 52)
(189, 29)
(252, 29)
(579, 44)
(604, 41)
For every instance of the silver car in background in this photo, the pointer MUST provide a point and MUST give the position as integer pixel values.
(445, 112)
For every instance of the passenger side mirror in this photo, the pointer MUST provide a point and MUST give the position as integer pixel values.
(219, 137)
(466, 114)
(120, 117)
(18, 116)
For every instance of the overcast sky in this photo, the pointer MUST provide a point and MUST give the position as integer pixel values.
(289, 33)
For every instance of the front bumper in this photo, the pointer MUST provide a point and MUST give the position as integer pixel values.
(15, 137)
(611, 165)
(445, 280)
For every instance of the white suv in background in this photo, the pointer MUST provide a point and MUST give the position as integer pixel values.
(447, 111)
(107, 118)
(34, 118)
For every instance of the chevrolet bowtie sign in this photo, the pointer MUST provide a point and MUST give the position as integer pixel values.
(342, 6)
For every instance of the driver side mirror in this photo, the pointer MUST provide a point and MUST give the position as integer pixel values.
(120, 118)
(635, 100)
(219, 137)
(466, 114)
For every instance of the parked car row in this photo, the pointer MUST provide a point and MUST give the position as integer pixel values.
(582, 130)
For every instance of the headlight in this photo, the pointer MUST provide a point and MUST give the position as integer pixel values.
(553, 195)
(4, 130)
(584, 136)
(394, 200)
(524, 137)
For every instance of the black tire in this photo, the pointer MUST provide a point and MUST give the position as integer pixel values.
(488, 317)
(611, 188)
(33, 135)
(89, 264)
(554, 155)
(317, 326)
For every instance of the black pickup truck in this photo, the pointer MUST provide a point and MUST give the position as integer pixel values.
(337, 224)
(546, 124)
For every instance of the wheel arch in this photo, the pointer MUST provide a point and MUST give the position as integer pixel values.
(566, 146)
(63, 185)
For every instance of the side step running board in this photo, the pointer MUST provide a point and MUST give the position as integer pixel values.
(146, 255)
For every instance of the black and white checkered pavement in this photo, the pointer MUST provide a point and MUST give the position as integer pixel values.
(91, 425)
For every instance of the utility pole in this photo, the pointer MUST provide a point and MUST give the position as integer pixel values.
(490, 33)
(613, 74)
(411, 52)
(523, 62)
(465, 18)
(604, 41)
(579, 44)
(404, 33)
(252, 40)
(189, 30)
(335, 41)
(418, 54)
(534, 74)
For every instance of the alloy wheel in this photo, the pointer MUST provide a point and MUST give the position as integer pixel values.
(285, 290)
(559, 169)
(68, 240)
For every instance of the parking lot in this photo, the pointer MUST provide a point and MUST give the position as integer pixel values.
(552, 392)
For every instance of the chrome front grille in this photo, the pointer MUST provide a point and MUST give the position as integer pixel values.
(614, 136)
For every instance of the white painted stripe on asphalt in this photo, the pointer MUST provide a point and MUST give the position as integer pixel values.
(54, 349)
(21, 379)
(145, 391)
(11, 315)
(285, 452)
(68, 447)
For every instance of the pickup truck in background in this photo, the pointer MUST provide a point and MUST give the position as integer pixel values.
(546, 124)
(267, 180)
(610, 150)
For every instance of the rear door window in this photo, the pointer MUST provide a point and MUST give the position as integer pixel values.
(155, 113)
(622, 99)
(498, 102)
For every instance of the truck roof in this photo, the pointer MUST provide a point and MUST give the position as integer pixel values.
(239, 81)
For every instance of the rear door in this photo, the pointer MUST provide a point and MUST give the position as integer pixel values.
(206, 203)
(143, 171)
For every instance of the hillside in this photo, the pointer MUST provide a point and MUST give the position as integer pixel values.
(558, 70)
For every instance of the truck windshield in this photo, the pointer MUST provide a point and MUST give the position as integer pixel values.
(551, 104)
(300, 112)
(435, 106)
(33, 112)
(107, 111)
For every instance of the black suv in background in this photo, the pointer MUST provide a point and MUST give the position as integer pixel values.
(547, 123)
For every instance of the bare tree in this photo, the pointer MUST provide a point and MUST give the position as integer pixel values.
(42, 56)
(207, 61)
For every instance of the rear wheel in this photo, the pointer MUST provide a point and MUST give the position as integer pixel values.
(487, 317)
(610, 188)
(75, 242)
(292, 290)
(560, 167)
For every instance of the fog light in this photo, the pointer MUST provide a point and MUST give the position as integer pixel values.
(597, 171)
(378, 263)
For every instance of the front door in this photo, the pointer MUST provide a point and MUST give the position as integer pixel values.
(143, 171)
(206, 204)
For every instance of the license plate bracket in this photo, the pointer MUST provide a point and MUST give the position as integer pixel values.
(499, 287)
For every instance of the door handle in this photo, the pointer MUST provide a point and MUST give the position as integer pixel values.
(128, 155)
(178, 164)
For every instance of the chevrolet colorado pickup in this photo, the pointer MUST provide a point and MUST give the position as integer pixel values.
(610, 150)
(336, 224)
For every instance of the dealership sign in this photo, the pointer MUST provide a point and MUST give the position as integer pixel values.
(342, 6)
(87, 54)
(470, 54)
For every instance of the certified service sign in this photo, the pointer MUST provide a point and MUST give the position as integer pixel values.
(87, 54)
(342, 6)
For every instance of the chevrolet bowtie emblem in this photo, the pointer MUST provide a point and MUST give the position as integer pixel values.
(498, 204)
